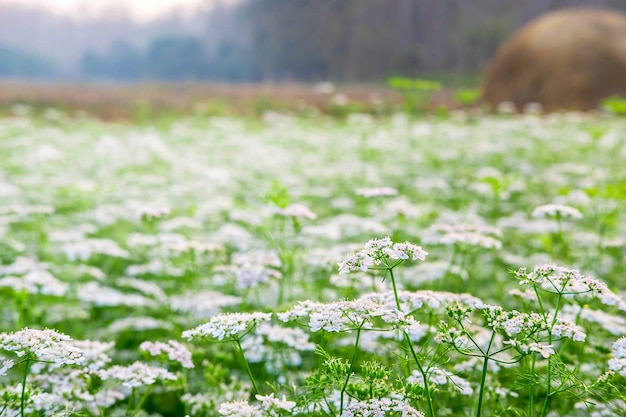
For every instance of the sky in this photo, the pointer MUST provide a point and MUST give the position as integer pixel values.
(142, 10)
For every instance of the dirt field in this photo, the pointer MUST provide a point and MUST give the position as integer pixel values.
(127, 101)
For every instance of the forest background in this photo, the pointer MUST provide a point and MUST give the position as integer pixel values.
(347, 41)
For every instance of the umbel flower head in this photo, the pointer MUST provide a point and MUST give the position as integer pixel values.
(380, 251)
(228, 325)
(44, 345)
(557, 210)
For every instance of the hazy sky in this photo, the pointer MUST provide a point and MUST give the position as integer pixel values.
(140, 9)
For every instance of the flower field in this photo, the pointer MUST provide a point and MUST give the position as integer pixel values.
(303, 265)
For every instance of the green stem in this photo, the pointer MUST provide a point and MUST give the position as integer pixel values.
(429, 400)
(248, 370)
(143, 399)
(483, 377)
(407, 340)
(531, 393)
(26, 369)
(395, 289)
(130, 403)
(544, 409)
(345, 384)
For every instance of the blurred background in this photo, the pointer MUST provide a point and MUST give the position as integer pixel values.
(347, 42)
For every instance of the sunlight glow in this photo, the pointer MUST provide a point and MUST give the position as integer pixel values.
(142, 10)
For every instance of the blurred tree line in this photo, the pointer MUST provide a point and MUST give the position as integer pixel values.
(339, 40)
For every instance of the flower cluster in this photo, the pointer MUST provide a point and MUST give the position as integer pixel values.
(378, 251)
(513, 322)
(439, 376)
(415, 300)
(44, 345)
(254, 268)
(380, 407)
(94, 352)
(557, 279)
(557, 210)
(617, 362)
(6, 365)
(298, 211)
(136, 375)
(465, 234)
(228, 325)
(270, 407)
(541, 348)
(376, 192)
(175, 351)
(347, 315)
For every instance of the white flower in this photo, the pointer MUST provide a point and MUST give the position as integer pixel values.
(415, 300)
(92, 292)
(544, 350)
(376, 407)
(174, 350)
(376, 192)
(83, 250)
(557, 210)
(465, 234)
(376, 251)
(94, 352)
(151, 213)
(571, 282)
(295, 338)
(618, 352)
(46, 345)
(136, 375)
(347, 315)
(228, 325)
(360, 261)
(6, 365)
(567, 328)
(439, 376)
(297, 210)
(240, 408)
(269, 402)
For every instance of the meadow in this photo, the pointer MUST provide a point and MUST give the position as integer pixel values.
(399, 265)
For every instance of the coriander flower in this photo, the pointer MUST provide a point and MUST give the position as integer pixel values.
(175, 351)
(228, 325)
(360, 261)
(377, 251)
(541, 348)
(375, 407)
(571, 282)
(557, 210)
(439, 376)
(6, 365)
(94, 352)
(465, 234)
(416, 300)
(347, 315)
(376, 192)
(240, 408)
(512, 322)
(297, 210)
(269, 402)
(136, 375)
(617, 362)
(567, 328)
(44, 345)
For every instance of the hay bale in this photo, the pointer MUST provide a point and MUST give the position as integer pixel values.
(567, 59)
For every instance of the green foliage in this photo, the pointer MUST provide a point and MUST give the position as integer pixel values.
(615, 105)
(416, 91)
(467, 97)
